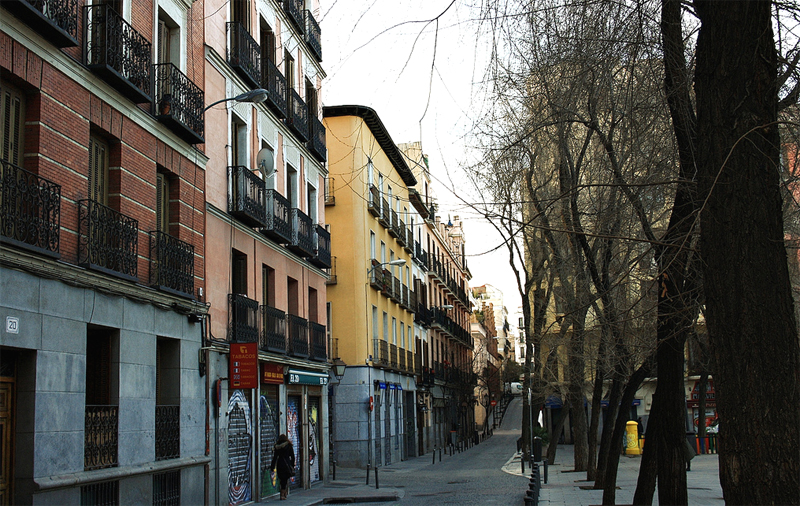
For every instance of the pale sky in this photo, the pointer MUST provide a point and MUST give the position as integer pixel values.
(381, 54)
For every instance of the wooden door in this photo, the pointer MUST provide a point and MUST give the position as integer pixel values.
(6, 441)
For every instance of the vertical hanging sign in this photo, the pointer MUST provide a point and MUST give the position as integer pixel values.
(243, 367)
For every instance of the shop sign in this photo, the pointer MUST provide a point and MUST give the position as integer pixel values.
(298, 377)
(244, 365)
(272, 374)
(392, 386)
(382, 385)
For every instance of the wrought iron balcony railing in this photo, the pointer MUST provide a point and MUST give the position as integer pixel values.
(168, 432)
(322, 248)
(277, 218)
(396, 294)
(302, 234)
(109, 240)
(244, 54)
(331, 272)
(242, 319)
(417, 363)
(393, 356)
(100, 437)
(313, 37)
(381, 352)
(377, 279)
(401, 233)
(273, 339)
(374, 201)
(297, 120)
(317, 142)
(318, 336)
(246, 196)
(385, 218)
(410, 362)
(393, 223)
(117, 52)
(30, 210)
(273, 81)
(401, 359)
(178, 103)
(298, 336)
(294, 9)
(171, 264)
(56, 20)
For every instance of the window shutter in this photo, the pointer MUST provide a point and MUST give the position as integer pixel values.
(98, 171)
(12, 118)
(162, 203)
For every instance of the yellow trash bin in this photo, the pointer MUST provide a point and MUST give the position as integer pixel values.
(632, 438)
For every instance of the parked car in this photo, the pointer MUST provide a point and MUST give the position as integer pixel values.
(514, 388)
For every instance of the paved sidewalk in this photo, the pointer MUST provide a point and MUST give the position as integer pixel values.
(564, 486)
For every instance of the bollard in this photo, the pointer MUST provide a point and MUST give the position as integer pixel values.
(440, 454)
(376, 478)
(522, 461)
(537, 449)
(545, 471)
(367, 474)
(434, 455)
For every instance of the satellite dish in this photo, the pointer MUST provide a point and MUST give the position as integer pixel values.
(266, 162)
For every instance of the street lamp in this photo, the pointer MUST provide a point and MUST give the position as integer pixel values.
(338, 370)
(399, 261)
(253, 96)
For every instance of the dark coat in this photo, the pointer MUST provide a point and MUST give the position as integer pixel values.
(283, 457)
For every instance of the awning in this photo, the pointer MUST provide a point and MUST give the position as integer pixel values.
(300, 377)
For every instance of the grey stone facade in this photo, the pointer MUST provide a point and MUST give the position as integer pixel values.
(49, 352)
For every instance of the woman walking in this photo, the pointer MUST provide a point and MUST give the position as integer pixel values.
(283, 458)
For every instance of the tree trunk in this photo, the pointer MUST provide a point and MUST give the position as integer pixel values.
(749, 306)
(610, 489)
(594, 425)
(556, 435)
(702, 386)
(577, 369)
(608, 427)
(648, 469)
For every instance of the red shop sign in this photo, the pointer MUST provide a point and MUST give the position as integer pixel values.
(243, 367)
(272, 374)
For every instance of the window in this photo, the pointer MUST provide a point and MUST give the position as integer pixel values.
(374, 322)
(394, 330)
(168, 399)
(383, 252)
(12, 123)
(267, 44)
(267, 165)
(311, 99)
(240, 13)
(238, 142)
(385, 326)
(291, 187)
(371, 244)
(312, 202)
(294, 296)
(312, 305)
(98, 170)
(162, 202)
(288, 64)
(239, 272)
(168, 40)
(102, 398)
(370, 172)
(267, 285)
(402, 335)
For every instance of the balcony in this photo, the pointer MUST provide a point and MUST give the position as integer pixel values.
(302, 242)
(330, 198)
(244, 54)
(374, 201)
(404, 299)
(242, 319)
(273, 338)
(377, 280)
(313, 37)
(55, 20)
(417, 363)
(317, 143)
(108, 240)
(273, 81)
(171, 265)
(297, 120)
(318, 337)
(294, 9)
(168, 432)
(393, 356)
(381, 352)
(179, 103)
(410, 365)
(298, 336)
(117, 53)
(401, 233)
(394, 228)
(30, 210)
(396, 294)
(277, 218)
(322, 248)
(401, 359)
(409, 241)
(246, 196)
(412, 301)
(385, 218)
(331, 272)
(100, 437)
